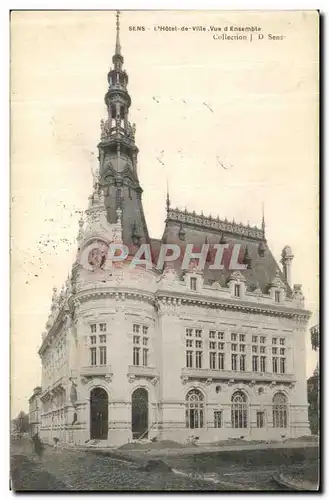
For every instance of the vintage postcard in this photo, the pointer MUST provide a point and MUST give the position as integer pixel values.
(164, 243)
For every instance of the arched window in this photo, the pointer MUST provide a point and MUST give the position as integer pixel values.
(280, 410)
(194, 409)
(239, 410)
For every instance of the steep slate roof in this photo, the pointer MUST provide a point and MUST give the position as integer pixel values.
(198, 230)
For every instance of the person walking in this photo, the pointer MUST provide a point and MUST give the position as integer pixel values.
(38, 446)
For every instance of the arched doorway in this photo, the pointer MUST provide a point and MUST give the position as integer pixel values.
(139, 413)
(99, 413)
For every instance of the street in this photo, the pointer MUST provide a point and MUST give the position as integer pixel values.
(63, 469)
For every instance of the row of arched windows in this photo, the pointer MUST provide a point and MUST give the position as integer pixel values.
(195, 408)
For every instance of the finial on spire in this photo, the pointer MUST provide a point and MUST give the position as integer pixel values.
(168, 199)
(117, 44)
(263, 219)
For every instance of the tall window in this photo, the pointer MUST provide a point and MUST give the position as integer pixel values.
(193, 284)
(255, 363)
(140, 345)
(277, 296)
(239, 410)
(237, 289)
(260, 419)
(218, 419)
(194, 348)
(280, 410)
(216, 357)
(98, 352)
(194, 409)
(234, 362)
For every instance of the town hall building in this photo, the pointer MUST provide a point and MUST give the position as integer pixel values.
(133, 353)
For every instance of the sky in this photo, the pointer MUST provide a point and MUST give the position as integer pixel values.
(195, 99)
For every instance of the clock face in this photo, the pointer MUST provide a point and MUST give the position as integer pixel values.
(94, 256)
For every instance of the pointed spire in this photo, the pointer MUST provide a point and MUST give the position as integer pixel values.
(168, 198)
(117, 43)
(263, 219)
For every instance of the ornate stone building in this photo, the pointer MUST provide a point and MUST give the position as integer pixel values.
(142, 352)
(313, 385)
(34, 411)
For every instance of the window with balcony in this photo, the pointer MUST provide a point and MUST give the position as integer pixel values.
(194, 409)
(239, 410)
(136, 356)
(93, 356)
(98, 355)
(102, 355)
(218, 419)
(280, 410)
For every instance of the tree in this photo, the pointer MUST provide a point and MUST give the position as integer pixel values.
(22, 422)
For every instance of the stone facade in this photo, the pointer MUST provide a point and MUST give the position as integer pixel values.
(136, 353)
(34, 412)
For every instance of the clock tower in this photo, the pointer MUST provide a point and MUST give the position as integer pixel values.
(118, 156)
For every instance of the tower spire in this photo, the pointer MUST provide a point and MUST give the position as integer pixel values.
(168, 198)
(117, 43)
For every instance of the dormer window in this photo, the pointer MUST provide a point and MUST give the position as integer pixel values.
(193, 284)
(237, 290)
(277, 296)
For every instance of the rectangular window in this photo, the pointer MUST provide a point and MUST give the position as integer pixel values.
(282, 365)
(274, 340)
(262, 349)
(220, 361)
(242, 337)
(242, 347)
(254, 338)
(93, 328)
(282, 341)
(233, 347)
(136, 328)
(242, 363)
(277, 296)
(275, 365)
(263, 364)
(198, 333)
(218, 419)
(221, 346)
(136, 339)
(282, 351)
(93, 339)
(233, 337)
(145, 330)
(102, 327)
(189, 332)
(145, 357)
(189, 359)
(274, 350)
(234, 362)
(220, 335)
(212, 345)
(189, 343)
(198, 359)
(102, 355)
(102, 339)
(145, 340)
(212, 361)
(212, 335)
(193, 284)
(136, 356)
(262, 340)
(260, 419)
(237, 290)
(93, 356)
(198, 344)
(255, 363)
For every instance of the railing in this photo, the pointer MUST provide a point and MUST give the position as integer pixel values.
(143, 371)
(94, 370)
(205, 373)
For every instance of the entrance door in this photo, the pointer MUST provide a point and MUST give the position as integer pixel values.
(99, 420)
(139, 413)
